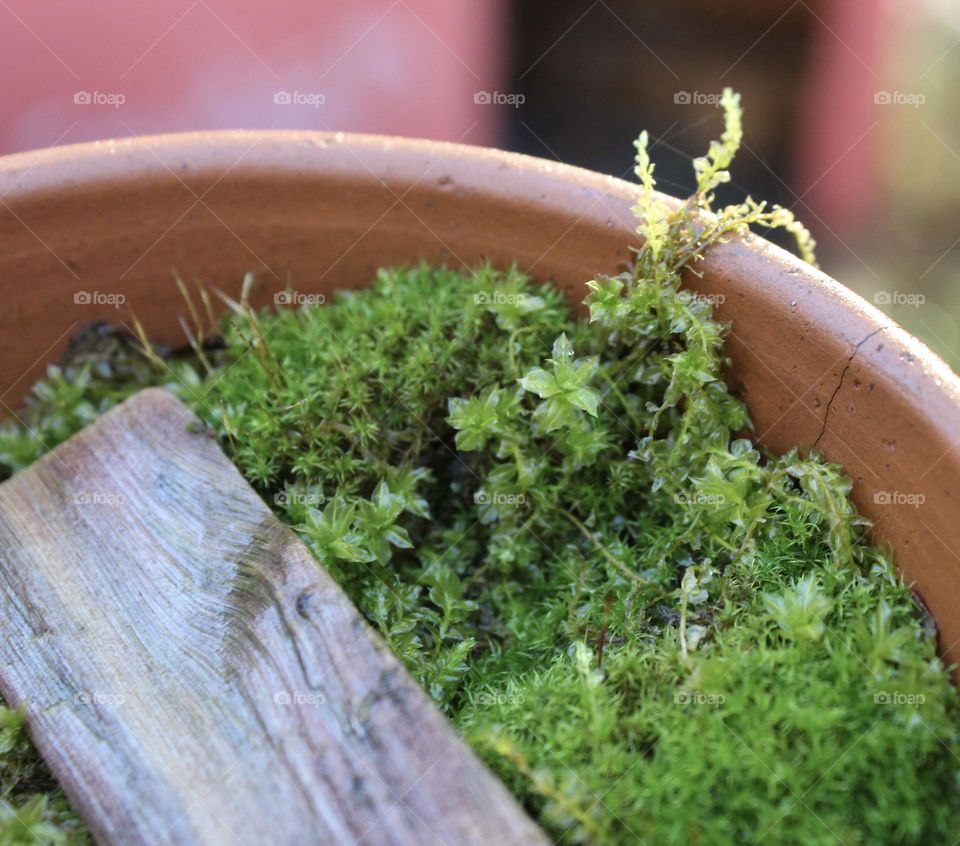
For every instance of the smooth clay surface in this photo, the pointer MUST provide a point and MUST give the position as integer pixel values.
(817, 365)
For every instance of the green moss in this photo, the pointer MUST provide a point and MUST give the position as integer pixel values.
(647, 626)
(33, 810)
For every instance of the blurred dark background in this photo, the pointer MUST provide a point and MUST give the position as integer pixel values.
(596, 77)
(852, 117)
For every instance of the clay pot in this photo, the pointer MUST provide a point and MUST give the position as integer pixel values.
(84, 226)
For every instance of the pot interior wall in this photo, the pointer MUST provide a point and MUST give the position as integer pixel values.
(819, 368)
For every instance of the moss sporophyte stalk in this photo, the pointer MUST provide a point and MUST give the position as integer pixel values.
(649, 627)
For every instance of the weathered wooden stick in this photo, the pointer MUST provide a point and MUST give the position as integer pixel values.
(192, 675)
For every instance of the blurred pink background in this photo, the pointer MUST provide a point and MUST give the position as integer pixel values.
(408, 67)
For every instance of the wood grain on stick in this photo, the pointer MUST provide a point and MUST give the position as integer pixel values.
(193, 676)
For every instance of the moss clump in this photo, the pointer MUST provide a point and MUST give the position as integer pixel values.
(33, 810)
(648, 627)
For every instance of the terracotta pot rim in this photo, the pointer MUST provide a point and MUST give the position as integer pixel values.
(49, 168)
